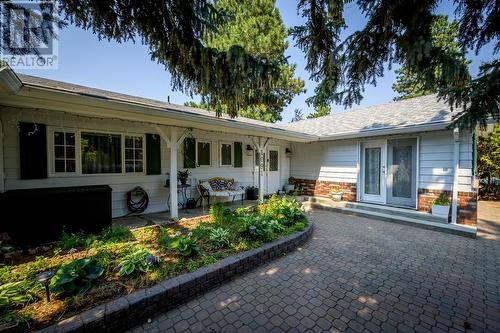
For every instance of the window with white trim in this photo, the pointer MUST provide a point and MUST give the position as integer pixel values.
(64, 150)
(134, 160)
(226, 154)
(203, 153)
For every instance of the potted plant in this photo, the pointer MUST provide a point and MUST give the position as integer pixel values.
(290, 186)
(183, 176)
(252, 193)
(336, 193)
(441, 206)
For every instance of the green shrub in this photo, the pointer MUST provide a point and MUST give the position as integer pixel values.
(299, 226)
(202, 230)
(256, 228)
(219, 238)
(138, 261)
(72, 241)
(217, 212)
(193, 264)
(76, 277)
(115, 235)
(186, 246)
(277, 227)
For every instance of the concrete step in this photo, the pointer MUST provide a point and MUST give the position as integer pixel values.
(390, 214)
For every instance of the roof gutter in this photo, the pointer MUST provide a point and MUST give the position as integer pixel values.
(9, 82)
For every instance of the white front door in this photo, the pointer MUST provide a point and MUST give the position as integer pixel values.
(273, 169)
(373, 166)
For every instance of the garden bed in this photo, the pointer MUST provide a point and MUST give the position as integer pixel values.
(120, 261)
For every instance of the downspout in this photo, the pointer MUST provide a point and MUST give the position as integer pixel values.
(456, 164)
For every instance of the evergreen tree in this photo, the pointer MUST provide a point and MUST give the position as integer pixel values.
(258, 28)
(396, 32)
(320, 111)
(411, 84)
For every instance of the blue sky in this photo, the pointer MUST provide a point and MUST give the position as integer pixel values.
(127, 68)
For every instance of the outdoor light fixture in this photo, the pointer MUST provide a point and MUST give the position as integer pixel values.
(44, 278)
(249, 150)
(288, 152)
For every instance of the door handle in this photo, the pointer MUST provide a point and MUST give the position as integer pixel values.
(383, 169)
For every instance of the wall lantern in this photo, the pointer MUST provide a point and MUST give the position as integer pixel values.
(249, 150)
(288, 152)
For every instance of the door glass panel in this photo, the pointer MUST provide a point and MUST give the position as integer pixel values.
(273, 160)
(402, 171)
(372, 171)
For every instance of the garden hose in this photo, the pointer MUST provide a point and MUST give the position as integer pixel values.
(140, 205)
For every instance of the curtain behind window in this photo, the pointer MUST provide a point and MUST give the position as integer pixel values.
(101, 153)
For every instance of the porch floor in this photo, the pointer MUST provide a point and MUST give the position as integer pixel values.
(136, 221)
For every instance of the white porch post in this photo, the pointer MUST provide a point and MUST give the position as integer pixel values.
(174, 210)
(456, 165)
(261, 148)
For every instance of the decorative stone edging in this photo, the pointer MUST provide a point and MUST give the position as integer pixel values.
(127, 311)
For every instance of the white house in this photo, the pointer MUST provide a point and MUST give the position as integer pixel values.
(398, 154)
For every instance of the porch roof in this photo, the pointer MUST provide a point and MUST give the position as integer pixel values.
(31, 91)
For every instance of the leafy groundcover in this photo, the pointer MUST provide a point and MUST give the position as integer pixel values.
(92, 269)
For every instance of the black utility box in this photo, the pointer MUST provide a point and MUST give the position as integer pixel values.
(35, 216)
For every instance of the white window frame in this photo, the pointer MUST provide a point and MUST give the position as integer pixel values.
(143, 138)
(210, 150)
(220, 153)
(78, 153)
(51, 160)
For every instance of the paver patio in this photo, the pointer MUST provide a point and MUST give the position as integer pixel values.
(357, 275)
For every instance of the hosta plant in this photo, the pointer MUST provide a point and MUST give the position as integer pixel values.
(18, 293)
(219, 238)
(138, 261)
(76, 277)
(186, 246)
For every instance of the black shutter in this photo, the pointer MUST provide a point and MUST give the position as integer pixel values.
(153, 154)
(189, 153)
(33, 150)
(238, 155)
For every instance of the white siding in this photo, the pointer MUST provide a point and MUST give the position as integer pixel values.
(436, 161)
(337, 160)
(334, 161)
(122, 183)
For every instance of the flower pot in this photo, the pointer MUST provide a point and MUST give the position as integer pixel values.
(440, 210)
(336, 196)
(252, 193)
(289, 188)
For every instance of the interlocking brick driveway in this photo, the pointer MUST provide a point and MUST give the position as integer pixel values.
(357, 275)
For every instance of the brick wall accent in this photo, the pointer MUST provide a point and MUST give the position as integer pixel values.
(467, 204)
(467, 208)
(127, 311)
(322, 188)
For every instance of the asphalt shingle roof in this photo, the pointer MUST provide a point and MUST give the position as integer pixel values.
(406, 113)
(105, 94)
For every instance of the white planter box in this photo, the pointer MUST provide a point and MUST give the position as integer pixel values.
(336, 196)
(289, 188)
(440, 211)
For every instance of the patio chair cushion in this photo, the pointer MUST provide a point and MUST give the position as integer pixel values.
(220, 184)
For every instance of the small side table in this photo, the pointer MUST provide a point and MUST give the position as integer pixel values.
(182, 190)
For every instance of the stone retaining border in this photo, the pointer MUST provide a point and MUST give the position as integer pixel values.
(128, 311)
